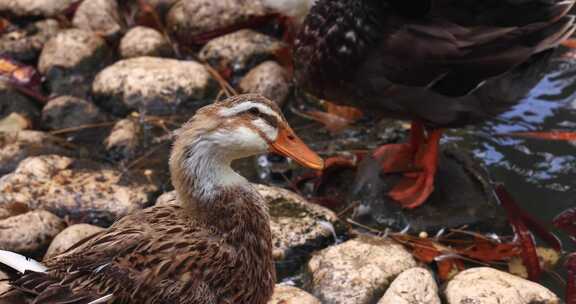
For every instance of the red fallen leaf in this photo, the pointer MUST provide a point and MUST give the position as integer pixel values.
(447, 268)
(569, 43)
(4, 24)
(25, 79)
(553, 135)
(148, 16)
(571, 280)
(566, 221)
(525, 238)
(486, 251)
(333, 123)
(346, 112)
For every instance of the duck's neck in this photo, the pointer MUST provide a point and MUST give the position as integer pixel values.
(213, 193)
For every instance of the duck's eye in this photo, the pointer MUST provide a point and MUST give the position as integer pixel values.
(254, 111)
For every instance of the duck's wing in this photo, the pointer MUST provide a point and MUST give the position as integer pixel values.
(458, 44)
(134, 260)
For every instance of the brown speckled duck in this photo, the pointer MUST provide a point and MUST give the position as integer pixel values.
(214, 247)
(438, 63)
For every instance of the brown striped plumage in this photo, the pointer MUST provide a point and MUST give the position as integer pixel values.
(211, 246)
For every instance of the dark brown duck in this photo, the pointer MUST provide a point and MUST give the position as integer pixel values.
(438, 63)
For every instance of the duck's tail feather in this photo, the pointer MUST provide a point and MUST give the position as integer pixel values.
(20, 263)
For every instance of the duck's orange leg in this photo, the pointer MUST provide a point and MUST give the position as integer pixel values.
(419, 162)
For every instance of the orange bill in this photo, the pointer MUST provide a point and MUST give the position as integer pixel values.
(289, 145)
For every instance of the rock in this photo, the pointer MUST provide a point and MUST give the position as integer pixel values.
(162, 6)
(25, 8)
(25, 45)
(124, 139)
(144, 41)
(17, 146)
(166, 199)
(298, 227)
(14, 122)
(70, 60)
(269, 79)
(189, 18)
(70, 236)
(69, 111)
(82, 190)
(30, 232)
(100, 16)
(152, 85)
(357, 271)
(413, 286)
(483, 285)
(284, 294)
(11, 101)
(239, 51)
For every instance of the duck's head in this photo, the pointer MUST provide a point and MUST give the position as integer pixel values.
(239, 127)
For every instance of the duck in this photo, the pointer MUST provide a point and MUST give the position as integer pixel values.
(213, 245)
(437, 63)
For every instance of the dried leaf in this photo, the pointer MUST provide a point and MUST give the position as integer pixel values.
(486, 251)
(333, 123)
(25, 79)
(567, 221)
(571, 280)
(448, 268)
(349, 113)
(569, 43)
(148, 16)
(554, 135)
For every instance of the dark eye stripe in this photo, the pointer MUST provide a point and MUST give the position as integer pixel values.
(270, 119)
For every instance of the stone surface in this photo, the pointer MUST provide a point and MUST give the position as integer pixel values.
(298, 227)
(413, 286)
(69, 111)
(81, 190)
(124, 139)
(239, 51)
(70, 60)
(483, 285)
(269, 79)
(14, 122)
(29, 232)
(70, 236)
(11, 101)
(284, 294)
(46, 8)
(357, 271)
(162, 6)
(100, 16)
(144, 41)
(189, 18)
(26, 44)
(152, 85)
(16, 146)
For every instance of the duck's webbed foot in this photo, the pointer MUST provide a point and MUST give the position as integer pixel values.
(417, 160)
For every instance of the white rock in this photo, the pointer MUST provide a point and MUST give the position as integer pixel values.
(483, 285)
(100, 16)
(70, 236)
(69, 111)
(29, 232)
(46, 8)
(269, 79)
(357, 271)
(284, 294)
(152, 85)
(413, 286)
(144, 41)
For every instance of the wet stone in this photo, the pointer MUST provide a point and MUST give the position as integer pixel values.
(269, 79)
(298, 227)
(71, 59)
(11, 101)
(144, 41)
(189, 18)
(16, 146)
(357, 271)
(463, 195)
(69, 111)
(152, 85)
(100, 16)
(82, 190)
(70, 236)
(239, 51)
(29, 233)
(25, 8)
(415, 285)
(26, 44)
(485, 285)
(284, 294)
(124, 139)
